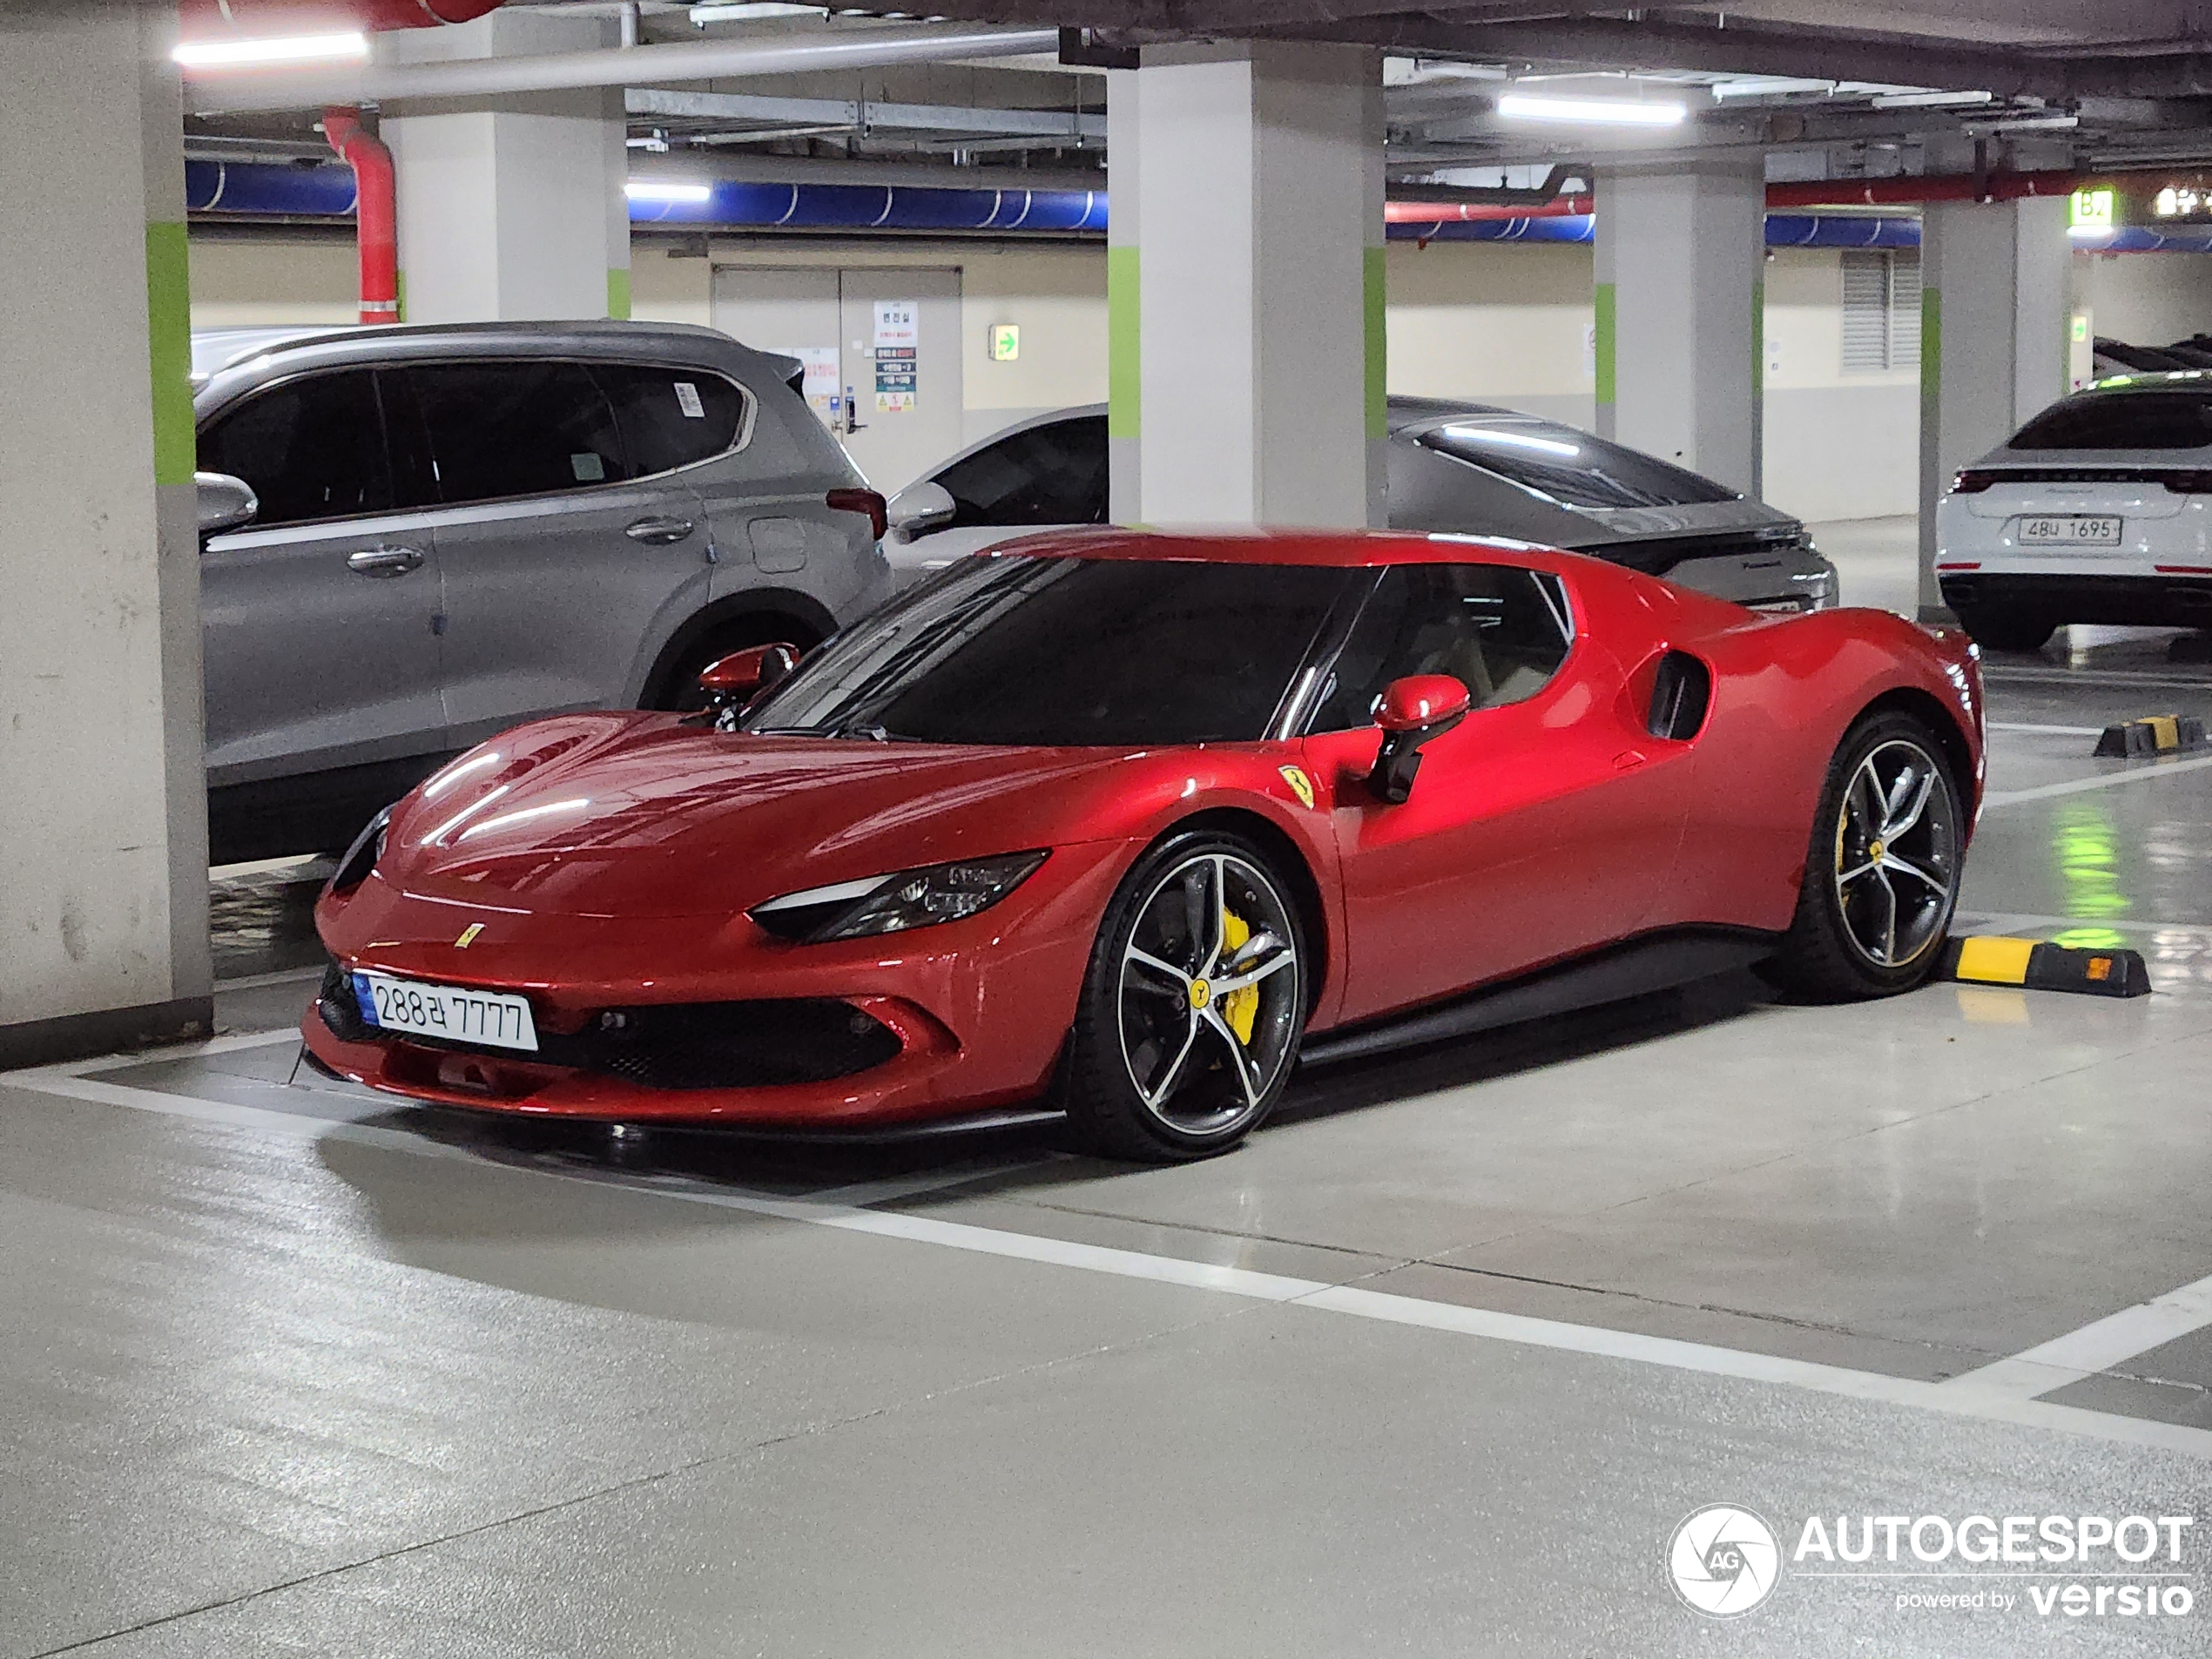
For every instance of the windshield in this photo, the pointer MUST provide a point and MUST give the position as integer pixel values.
(2122, 420)
(1014, 650)
(1572, 468)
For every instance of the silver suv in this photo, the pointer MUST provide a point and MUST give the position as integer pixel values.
(414, 537)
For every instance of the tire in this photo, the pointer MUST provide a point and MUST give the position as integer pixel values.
(2009, 630)
(677, 688)
(1163, 1065)
(1847, 941)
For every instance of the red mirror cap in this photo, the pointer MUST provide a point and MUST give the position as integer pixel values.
(1421, 700)
(748, 670)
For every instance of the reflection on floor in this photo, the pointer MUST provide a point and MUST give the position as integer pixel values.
(1436, 1364)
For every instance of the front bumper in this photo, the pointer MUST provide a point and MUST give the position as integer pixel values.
(947, 1020)
(2179, 600)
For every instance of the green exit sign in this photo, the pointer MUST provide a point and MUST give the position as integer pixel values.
(1006, 341)
(2093, 209)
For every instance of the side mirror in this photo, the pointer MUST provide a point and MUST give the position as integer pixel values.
(731, 682)
(1413, 711)
(225, 502)
(919, 509)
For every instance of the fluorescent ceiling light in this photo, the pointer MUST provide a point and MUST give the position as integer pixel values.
(1516, 440)
(659, 190)
(747, 11)
(270, 49)
(1609, 111)
(1931, 100)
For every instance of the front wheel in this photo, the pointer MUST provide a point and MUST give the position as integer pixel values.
(1882, 873)
(1192, 1006)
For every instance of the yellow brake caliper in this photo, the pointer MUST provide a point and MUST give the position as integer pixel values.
(1238, 1008)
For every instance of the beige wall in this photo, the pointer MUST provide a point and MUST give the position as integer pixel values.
(1837, 445)
(2145, 298)
(239, 283)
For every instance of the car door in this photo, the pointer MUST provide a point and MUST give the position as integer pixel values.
(1050, 477)
(319, 616)
(564, 542)
(1540, 827)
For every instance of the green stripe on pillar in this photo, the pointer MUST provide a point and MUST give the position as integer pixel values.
(618, 292)
(1930, 350)
(399, 293)
(1124, 360)
(1373, 297)
(169, 351)
(1605, 336)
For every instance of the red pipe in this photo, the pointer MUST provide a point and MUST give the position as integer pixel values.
(1825, 192)
(376, 217)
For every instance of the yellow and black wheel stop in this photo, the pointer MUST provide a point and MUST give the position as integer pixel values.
(2161, 734)
(2040, 965)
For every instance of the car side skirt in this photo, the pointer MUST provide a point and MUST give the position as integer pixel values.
(1633, 968)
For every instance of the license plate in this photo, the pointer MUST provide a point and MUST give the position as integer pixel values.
(492, 1019)
(2043, 532)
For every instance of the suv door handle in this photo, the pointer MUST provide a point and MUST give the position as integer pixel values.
(384, 561)
(660, 532)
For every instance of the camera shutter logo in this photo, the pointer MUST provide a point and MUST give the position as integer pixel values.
(1724, 1560)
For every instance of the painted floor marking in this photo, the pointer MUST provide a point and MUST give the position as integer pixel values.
(1997, 798)
(2048, 731)
(2097, 1347)
(2006, 921)
(1987, 1404)
(255, 982)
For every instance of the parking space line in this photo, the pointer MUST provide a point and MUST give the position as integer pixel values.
(255, 982)
(1997, 798)
(2096, 1347)
(2048, 731)
(2006, 922)
(1987, 1405)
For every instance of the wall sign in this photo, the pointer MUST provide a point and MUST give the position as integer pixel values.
(898, 344)
(2091, 208)
(1006, 341)
(821, 388)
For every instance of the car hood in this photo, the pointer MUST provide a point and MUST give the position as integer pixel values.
(641, 815)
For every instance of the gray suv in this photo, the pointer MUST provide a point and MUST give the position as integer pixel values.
(414, 537)
(1463, 467)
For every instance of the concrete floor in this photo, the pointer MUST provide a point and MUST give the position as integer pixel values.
(1435, 1364)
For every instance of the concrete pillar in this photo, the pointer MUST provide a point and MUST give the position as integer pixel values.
(496, 196)
(1681, 293)
(1248, 365)
(1994, 320)
(102, 802)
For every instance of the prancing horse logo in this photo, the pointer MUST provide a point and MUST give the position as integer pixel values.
(468, 935)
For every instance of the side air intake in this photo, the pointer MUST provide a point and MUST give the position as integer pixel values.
(1680, 695)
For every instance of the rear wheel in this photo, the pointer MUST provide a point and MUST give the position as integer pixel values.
(1192, 1006)
(677, 686)
(1882, 872)
(2009, 630)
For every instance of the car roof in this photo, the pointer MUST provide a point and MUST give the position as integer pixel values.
(217, 349)
(1348, 549)
(2155, 380)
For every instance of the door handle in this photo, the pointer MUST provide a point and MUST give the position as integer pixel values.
(660, 532)
(384, 561)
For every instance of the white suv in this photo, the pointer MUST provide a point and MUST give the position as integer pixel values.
(2095, 511)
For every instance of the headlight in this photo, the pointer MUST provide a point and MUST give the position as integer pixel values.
(361, 858)
(891, 904)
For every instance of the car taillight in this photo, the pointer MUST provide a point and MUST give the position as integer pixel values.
(2188, 484)
(863, 500)
(1972, 482)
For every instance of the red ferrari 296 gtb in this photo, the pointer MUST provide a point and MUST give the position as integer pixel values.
(1132, 823)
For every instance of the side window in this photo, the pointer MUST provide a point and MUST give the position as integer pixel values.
(1502, 632)
(313, 448)
(671, 417)
(517, 427)
(1050, 474)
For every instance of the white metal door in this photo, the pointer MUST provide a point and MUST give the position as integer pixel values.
(881, 349)
(902, 349)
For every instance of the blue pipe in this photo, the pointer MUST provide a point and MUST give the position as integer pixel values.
(261, 188)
